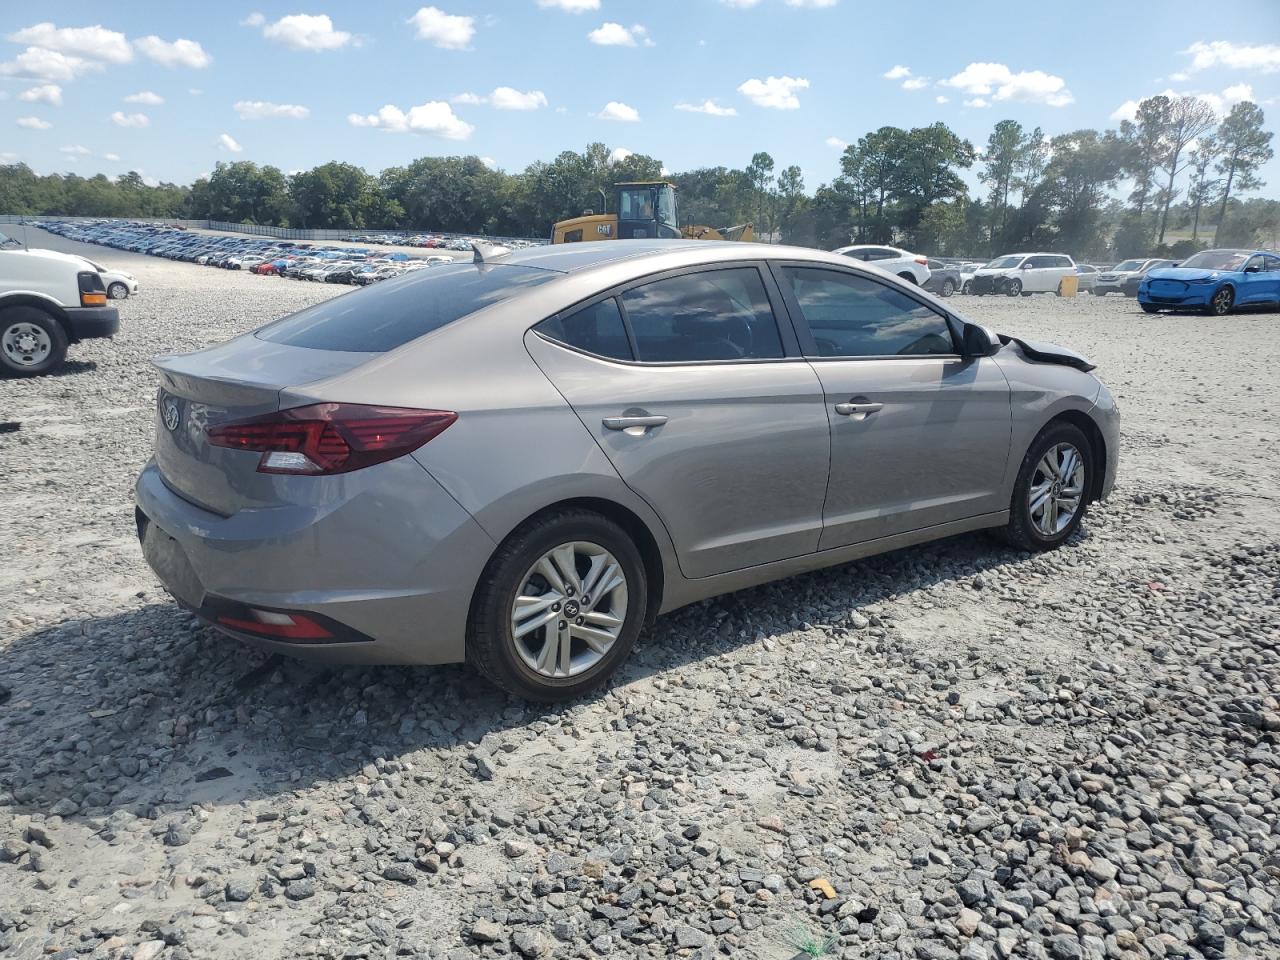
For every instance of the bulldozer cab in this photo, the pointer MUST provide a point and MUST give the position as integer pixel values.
(646, 209)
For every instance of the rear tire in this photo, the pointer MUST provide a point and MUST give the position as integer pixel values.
(1030, 526)
(909, 277)
(967, 288)
(516, 663)
(32, 343)
(948, 288)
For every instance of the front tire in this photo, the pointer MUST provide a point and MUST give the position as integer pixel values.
(1222, 302)
(558, 607)
(32, 343)
(1050, 495)
(1012, 288)
(1149, 307)
(948, 288)
(117, 291)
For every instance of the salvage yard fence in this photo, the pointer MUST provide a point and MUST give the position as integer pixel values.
(262, 230)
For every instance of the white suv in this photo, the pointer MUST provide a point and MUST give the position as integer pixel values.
(1023, 273)
(902, 263)
(48, 300)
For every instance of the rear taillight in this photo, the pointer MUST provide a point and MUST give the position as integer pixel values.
(281, 626)
(92, 292)
(329, 438)
(922, 261)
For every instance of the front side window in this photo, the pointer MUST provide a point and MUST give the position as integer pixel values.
(851, 316)
(1254, 263)
(1003, 263)
(666, 206)
(713, 315)
(595, 329)
(636, 203)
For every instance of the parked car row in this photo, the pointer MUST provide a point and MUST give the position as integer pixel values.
(434, 241)
(285, 258)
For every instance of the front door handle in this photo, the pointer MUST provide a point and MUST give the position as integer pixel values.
(626, 423)
(850, 409)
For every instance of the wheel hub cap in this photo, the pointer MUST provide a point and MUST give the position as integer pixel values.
(569, 610)
(25, 344)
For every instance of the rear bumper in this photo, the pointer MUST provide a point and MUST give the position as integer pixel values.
(396, 564)
(88, 322)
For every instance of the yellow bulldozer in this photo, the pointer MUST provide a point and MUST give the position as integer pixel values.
(642, 209)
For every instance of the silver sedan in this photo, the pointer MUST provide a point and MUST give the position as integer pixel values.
(522, 460)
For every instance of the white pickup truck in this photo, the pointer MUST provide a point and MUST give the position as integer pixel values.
(47, 301)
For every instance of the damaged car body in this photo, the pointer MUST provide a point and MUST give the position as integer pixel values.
(520, 461)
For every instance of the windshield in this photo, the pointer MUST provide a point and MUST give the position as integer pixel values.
(636, 203)
(1216, 260)
(1128, 265)
(1003, 263)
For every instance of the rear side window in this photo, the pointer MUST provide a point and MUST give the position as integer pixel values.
(713, 315)
(393, 312)
(595, 329)
(852, 316)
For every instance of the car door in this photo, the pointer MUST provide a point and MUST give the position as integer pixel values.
(1255, 284)
(694, 388)
(919, 435)
(1037, 274)
(1271, 273)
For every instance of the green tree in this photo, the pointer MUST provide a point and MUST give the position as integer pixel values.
(1203, 187)
(1004, 154)
(792, 202)
(1144, 140)
(1189, 119)
(1245, 147)
(926, 173)
(243, 192)
(760, 174)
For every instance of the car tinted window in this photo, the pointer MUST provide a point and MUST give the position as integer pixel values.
(713, 315)
(852, 316)
(1062, 262)
(390, 314)
(880, 253)
(1271, 264)
(596, 329)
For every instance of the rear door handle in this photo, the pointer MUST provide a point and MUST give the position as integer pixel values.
(849, 409)
(625, 423)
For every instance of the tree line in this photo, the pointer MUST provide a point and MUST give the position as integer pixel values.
(1185, 171)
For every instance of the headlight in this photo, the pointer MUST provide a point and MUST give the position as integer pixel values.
(1204, 280)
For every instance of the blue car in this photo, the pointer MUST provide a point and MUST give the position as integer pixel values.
(1214, 282)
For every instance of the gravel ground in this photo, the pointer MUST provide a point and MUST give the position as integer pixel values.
(949, 751)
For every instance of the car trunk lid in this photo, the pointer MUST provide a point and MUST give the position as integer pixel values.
(232, 381)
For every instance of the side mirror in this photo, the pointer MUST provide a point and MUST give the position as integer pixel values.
(976, 341)
(1027, 265)
(1252, 269)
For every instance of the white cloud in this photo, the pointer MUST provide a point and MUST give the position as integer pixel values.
(812, 3)
(1178, 77)
(49, 93)
(941, 99)
(489, 162)
(897, 72)
(302, 31)
(194, 91)
(977, 102)
(121, 119)
(915, 83)
(508, 98)
(254, 19)
(36, 63)
(618, 154)
(776, 93)
(613, 110)
(442, 29)
(145, 96)
(261, 110)
(113, 157)
(229, 143)
(1000, 83)
(33, 123)
(1263, 57)
(8, 156)
(472, 99)
(1238, 92)
(570, 6)
(175, 53)
(616, 35)
(76, 149)
(434, 116)
(1221, 103)
(95, 43)
(709, 107)
(835, 142)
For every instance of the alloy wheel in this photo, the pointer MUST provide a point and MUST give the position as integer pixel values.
(26, 344)
(1057, 489)
(1221, 302)
(1012, 288)
(569, 610)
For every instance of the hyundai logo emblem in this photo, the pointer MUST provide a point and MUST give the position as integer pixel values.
(169, 412)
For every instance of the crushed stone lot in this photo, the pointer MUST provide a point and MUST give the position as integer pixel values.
(955, 750)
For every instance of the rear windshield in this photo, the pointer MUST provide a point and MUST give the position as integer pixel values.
(393, 312)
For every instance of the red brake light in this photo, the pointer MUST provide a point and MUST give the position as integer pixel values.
(285, 626)
(328, 438)
(923, 261)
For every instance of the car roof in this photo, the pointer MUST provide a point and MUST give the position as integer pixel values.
(574, 258)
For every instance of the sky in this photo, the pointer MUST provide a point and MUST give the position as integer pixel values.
(169, 89)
